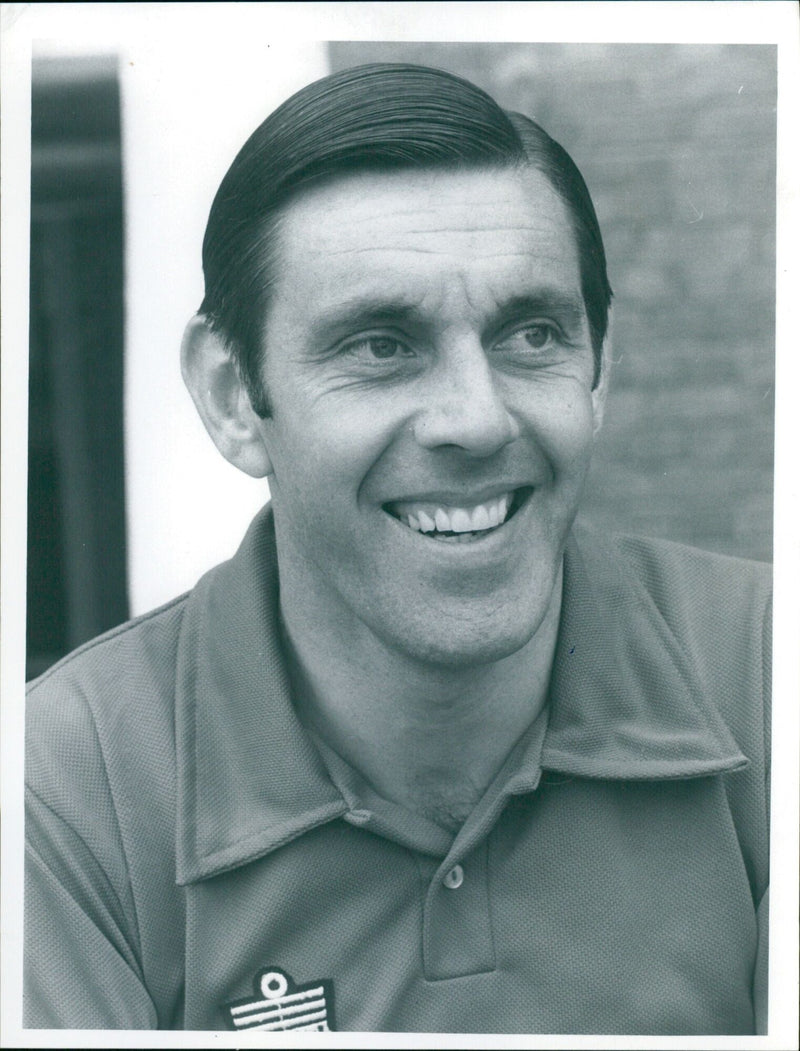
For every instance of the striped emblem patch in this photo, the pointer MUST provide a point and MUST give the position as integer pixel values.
(280, 1006)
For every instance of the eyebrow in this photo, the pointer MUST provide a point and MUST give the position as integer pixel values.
(568, 308)
(364, 312)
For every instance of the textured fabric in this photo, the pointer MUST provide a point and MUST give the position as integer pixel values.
(185, 834)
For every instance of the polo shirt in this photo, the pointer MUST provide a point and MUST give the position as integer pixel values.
(196, 860)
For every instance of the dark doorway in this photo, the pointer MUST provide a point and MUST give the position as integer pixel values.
(76, 576)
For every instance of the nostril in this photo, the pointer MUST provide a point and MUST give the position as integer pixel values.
(478, 429)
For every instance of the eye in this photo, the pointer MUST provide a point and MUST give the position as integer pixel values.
(377, 348)
(536, 336)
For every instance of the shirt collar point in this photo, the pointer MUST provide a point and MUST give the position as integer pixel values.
(619, 766)
(196, 864)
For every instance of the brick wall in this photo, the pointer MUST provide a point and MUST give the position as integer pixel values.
(677, 145)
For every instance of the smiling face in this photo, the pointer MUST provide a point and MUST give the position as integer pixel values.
(429, 370)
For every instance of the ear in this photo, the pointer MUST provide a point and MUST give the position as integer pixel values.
(601, 387)
(213, 380)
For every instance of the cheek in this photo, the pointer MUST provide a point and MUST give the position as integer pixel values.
(563, 426)
(321, 458)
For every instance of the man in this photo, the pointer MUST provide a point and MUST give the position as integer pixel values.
(421, 756)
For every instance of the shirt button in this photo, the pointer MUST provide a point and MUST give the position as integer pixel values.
(454, 878)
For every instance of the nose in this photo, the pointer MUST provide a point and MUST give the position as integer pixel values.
(465, 405)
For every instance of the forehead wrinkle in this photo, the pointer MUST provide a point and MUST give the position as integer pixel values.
(327, 252)
(416, 194)
(456, 227)
(498, 254)
(326, 239)
(540, 232)
(418, 250)
(474, 229)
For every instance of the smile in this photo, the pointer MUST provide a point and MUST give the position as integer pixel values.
(458, 524)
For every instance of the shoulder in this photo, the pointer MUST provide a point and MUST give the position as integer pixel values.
(701, 595)
(100, 723)
(101, 784)
(679, 575)
(717, 609)
(133, 660)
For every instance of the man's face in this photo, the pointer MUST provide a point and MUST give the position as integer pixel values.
(429, 369)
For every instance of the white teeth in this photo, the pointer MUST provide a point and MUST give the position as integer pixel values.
(429, 518)
(460, 521)
(480, 518)
(426, 524)
(442, 520)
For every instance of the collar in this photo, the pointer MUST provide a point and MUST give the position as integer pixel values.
(625, 703)
(626, 700)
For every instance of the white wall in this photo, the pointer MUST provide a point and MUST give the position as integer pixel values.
(186, 110)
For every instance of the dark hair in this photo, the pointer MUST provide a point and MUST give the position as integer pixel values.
(377, 117)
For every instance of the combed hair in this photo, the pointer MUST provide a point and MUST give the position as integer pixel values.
(376, 117)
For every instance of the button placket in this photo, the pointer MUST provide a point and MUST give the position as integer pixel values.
(457, 929)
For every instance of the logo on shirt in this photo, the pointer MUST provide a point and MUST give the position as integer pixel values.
(280, 1005)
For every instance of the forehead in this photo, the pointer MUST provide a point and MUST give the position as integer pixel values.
(426, 236)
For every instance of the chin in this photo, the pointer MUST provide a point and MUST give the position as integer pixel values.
(462, 648)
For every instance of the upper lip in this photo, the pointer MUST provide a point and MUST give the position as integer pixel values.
(459, 497)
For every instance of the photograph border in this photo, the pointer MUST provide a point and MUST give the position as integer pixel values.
(727, 21)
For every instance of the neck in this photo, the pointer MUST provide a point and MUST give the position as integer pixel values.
(425, 736)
